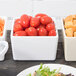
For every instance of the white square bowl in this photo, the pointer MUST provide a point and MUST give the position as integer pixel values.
(69, 46)
(34, 47)
(4, 31)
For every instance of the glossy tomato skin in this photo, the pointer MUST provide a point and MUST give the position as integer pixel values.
(17, 27)
(18, 21)
(34, 22)
(40, 26)
(30, 17)
(50, 26)
(40, 15)
(26, 30)
(25, 20)
(31, 31)
(42, 32)
(52, 33)
(45, 20)
(20, 33)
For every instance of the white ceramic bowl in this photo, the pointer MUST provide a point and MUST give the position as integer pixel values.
(34, 47)
(4, 46)
(69, 46)
(4, 32)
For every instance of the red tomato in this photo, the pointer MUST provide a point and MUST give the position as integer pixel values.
(20, 33)
(40, 15)
(25, 20)
(42, 32)
(41, 26)
(52, 22)
(31, 31)
(30, 17)
(17, 27)
(17, 21)
(26, 30)
(50, 27)
(52, 33)
(34, 22)
(45, 20)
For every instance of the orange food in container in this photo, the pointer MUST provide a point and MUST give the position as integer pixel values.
(3, 21)
(69, 37)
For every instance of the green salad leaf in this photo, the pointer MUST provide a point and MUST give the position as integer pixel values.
(29, 74)
(45, 71)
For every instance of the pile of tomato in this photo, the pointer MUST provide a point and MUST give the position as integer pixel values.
(40, 25)
(2, 22)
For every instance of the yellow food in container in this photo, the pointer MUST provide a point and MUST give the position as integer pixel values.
(69, 32)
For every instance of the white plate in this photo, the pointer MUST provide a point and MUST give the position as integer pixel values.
(64, 69)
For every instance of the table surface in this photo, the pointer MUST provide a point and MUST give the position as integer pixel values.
(9, 67)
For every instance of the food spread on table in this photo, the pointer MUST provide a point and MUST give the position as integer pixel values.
(2, 22)
(70, 26)
(40, 25)
(45, 71)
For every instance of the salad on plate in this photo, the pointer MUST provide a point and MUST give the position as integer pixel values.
(45, 71)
